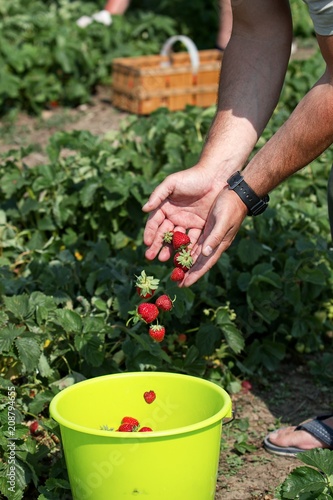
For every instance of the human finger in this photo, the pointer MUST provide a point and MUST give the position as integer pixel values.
(154, 221)
(160, 193)
(224, 222)
(154, 238)
(201, 266)
(167, 250)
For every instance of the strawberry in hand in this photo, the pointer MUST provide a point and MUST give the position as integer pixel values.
(180, 240)
(183, 260)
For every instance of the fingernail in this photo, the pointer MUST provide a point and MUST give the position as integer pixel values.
(208, 250)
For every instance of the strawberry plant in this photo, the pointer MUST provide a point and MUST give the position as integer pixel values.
(47, 60)
(314, 481)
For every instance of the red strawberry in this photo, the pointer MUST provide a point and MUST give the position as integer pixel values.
(164, 303)
(157, 332)
(148, 312)
(126, 428)
(182, 338)
(130, 420)
(142, 294)
(33, 427)
(146, 285)
(149, 396)
(145, 429)
(177, 274)
(246, 385)
(167, 237)
(180, 240)
(183, 260)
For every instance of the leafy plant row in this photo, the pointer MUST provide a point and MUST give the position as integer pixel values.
(47, 60)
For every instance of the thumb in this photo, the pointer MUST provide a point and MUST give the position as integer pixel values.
(223, 223)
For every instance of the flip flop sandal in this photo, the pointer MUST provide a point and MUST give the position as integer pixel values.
(315, 427)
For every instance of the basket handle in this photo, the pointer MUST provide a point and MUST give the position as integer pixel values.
(189, 44)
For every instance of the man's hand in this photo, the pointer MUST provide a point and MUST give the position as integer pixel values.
(181, 202)
(212, 219)
(222, 226)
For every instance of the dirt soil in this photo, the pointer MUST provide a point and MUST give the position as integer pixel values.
(290, 396)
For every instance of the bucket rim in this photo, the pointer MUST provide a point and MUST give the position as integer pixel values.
(224, 412)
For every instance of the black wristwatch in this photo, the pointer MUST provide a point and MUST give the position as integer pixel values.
(254, 204)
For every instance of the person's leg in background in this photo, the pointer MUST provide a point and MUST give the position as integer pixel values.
(117, 6)
(112, 7)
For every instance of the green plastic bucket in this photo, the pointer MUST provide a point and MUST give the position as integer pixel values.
(177, 461)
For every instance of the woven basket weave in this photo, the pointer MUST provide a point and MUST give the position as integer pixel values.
(142, 84)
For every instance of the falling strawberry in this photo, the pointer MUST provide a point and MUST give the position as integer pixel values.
(183, 260)
(131, 420)
(145, 429)
(149, 397)
(146, 286)
(164, 303)
(147, 312)
(157, 332)
(167, 237)
(177, 274)
(180, 240)
(126, 428)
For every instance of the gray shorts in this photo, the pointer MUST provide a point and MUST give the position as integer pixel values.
(321, 12)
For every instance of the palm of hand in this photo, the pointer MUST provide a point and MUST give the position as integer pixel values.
(189, 199)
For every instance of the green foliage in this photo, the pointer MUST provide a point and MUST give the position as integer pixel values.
(302, 23)
(311, 482)
(47, 60)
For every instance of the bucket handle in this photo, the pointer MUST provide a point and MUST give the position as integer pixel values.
(189, 44)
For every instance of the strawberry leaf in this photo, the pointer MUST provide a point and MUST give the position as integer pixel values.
(304, 483)
(8, 335)
(29, 352)
(234, 338)
(322, 459)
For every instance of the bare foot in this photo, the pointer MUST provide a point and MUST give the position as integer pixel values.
(302, 439)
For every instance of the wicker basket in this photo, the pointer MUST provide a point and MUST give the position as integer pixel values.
(142, 84)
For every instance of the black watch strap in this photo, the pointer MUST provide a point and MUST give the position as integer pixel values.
(255, 205)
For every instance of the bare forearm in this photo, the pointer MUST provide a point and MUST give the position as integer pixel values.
(304, 136)
(252, 76)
